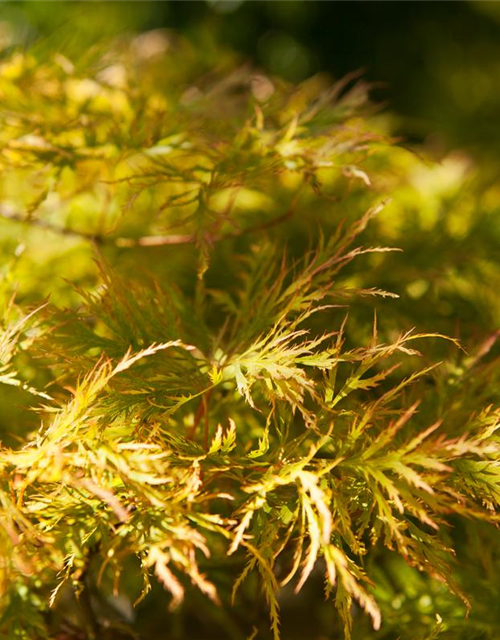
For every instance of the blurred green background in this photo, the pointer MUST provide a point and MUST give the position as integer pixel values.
(436, 64)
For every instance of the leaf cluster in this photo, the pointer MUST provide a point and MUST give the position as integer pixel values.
(208, 418)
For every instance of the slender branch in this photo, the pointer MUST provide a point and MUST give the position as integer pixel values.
(172, 239)
(44, 224)
(200, 413)
(144, 241)
(150, 241)
(206, 399)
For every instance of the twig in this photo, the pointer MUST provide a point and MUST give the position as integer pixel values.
(144, 241)
(150, 241)
(44, 224)
(200, 413)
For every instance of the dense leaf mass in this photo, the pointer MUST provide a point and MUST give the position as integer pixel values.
(199, 392)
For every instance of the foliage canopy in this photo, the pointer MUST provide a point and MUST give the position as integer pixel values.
(208, 401)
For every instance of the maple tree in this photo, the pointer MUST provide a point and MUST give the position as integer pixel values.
(198, 393)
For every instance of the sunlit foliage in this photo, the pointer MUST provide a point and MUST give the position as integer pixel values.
(199, 393)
